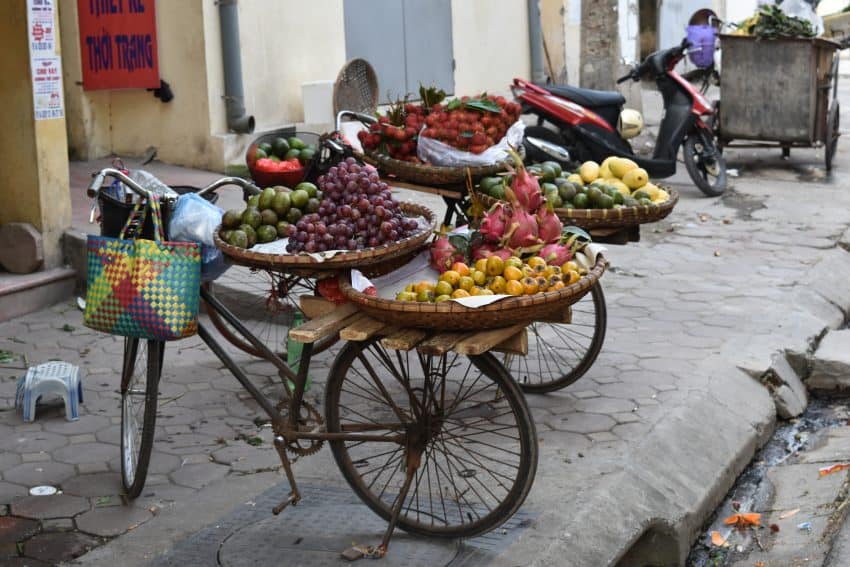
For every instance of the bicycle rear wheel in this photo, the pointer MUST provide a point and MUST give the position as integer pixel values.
(559, 354)
(140, 375)
(465, 421)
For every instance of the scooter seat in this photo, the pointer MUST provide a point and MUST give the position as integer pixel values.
(586, 97)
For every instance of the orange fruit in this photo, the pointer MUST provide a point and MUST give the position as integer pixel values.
(512, 273)
(410, 287)
(553, 280)
(554, 270)
(574, 277)
(465, 283)
(481, 264)
(479, 277)
(424, 285)
(450, 276)
(442, 298)
(485, 291)
(529, 285)
(459, 293)
(535, 261)
(556, 286)
(498, 285)
(443, 288)
(542, 283)
(513, 261)
(461, 268)
(513, 287)
(495, 266)
(539, 269)
(425, 296)
(569, 266)
(475, 290)
(528, 271)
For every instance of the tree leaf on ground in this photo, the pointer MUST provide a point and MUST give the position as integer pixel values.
(833, 468)
(743, 520)
(718, 540)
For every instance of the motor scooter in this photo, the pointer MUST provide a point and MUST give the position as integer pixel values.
(589, 124)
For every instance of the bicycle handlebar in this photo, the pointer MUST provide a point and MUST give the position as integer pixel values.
(365, 118)
(99, 177)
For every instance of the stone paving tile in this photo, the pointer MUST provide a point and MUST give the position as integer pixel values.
(90, 485)
(55, 506)
(24, 562)
(35, 474)
(603, 405)
(16, 529)
(582, 423)
(86, 424)
(32, 442)
(196, 476)
(86, 453)
(59, 546)
(111, 521)
(9, 492)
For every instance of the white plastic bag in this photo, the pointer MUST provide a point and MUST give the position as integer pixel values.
(194, 219)
(438, 153)
(803, 10)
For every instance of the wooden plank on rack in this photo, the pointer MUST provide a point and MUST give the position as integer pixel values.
(361, 329)
(485, 340)
(403, 339)
(328, 324)
(313, 306)
(441, 343)
(564, 317)
(517, 344)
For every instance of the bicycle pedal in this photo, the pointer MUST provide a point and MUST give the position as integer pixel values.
(293, 499)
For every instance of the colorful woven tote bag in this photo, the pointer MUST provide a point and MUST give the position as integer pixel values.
(142, 288)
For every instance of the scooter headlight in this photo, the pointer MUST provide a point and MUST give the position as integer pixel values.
(630, 123)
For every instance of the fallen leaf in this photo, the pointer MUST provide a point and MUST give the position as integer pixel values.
(759, 564)
(717, 540)
(774, 528)
(743, 520)
(833, 468)
(788, 514)
(717, 252)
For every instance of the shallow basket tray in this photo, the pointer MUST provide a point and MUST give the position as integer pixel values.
(608, 218)
(452, 316)
(368, 260)
(425, 174)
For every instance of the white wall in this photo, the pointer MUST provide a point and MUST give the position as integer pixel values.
(627, 12)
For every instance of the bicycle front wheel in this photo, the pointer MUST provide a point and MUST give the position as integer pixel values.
(561, 353)
(474, 442)
(139, 389)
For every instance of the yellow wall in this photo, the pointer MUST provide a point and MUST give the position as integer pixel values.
(490, 44)
(33, 154)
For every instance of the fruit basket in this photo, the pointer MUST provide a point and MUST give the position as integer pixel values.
(425, 174)
(271, 145)
(607, 218)
(311, 264)
(451, 315)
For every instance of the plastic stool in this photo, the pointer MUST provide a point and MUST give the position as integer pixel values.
(58, 378)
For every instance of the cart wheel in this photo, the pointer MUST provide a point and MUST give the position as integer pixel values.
(560, 354)
(832, 129)
(462, 419)
(266, 302)
(139, 388)
(704, 162)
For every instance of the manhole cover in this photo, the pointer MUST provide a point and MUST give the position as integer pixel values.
(321, 535)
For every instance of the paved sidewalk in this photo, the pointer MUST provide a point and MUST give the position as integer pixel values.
(633, 456)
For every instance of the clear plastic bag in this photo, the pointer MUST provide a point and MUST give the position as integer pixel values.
(803, 10)
(438, 153)
(194, 219)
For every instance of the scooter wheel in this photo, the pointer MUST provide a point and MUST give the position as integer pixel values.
(705, 163)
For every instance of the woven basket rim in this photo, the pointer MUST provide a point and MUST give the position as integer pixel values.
(624, 216)
(451, 309)
(427, 173)
(340, 261)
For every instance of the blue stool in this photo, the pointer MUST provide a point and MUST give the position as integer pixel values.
(56, 378)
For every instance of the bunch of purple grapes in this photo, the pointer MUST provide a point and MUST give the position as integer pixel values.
(356, 212)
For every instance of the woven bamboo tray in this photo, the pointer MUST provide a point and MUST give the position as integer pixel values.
(424, 174)
(369, 260)
(450, 315)
(608, 218)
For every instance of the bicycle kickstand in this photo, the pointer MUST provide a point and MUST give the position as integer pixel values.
(294, 496)
(414, 459)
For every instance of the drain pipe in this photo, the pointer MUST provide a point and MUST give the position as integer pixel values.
(234, 96)
(535, 40)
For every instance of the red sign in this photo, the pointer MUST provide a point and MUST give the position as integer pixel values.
(118, 44)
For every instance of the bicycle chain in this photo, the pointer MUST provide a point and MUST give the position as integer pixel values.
(312, 421)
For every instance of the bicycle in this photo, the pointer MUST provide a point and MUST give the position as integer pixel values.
(437, 444)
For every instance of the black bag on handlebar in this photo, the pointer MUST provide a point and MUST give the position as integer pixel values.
(114, 212)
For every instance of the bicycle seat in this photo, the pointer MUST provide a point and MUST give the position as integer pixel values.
(586, 97)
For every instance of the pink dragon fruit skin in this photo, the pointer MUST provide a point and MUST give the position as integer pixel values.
(525, 187)
(549, 225)
(494, 225)
(487, 249)
(443, 254)
(556, 254)
(523, 230)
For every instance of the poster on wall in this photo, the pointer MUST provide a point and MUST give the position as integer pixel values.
(118, 44)
(45, 65)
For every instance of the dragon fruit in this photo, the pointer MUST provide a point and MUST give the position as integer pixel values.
(444, 254)
(494, 225)
(549, 225)
(525, 187)
(523, 232)
(487, 249)
(555, 253)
